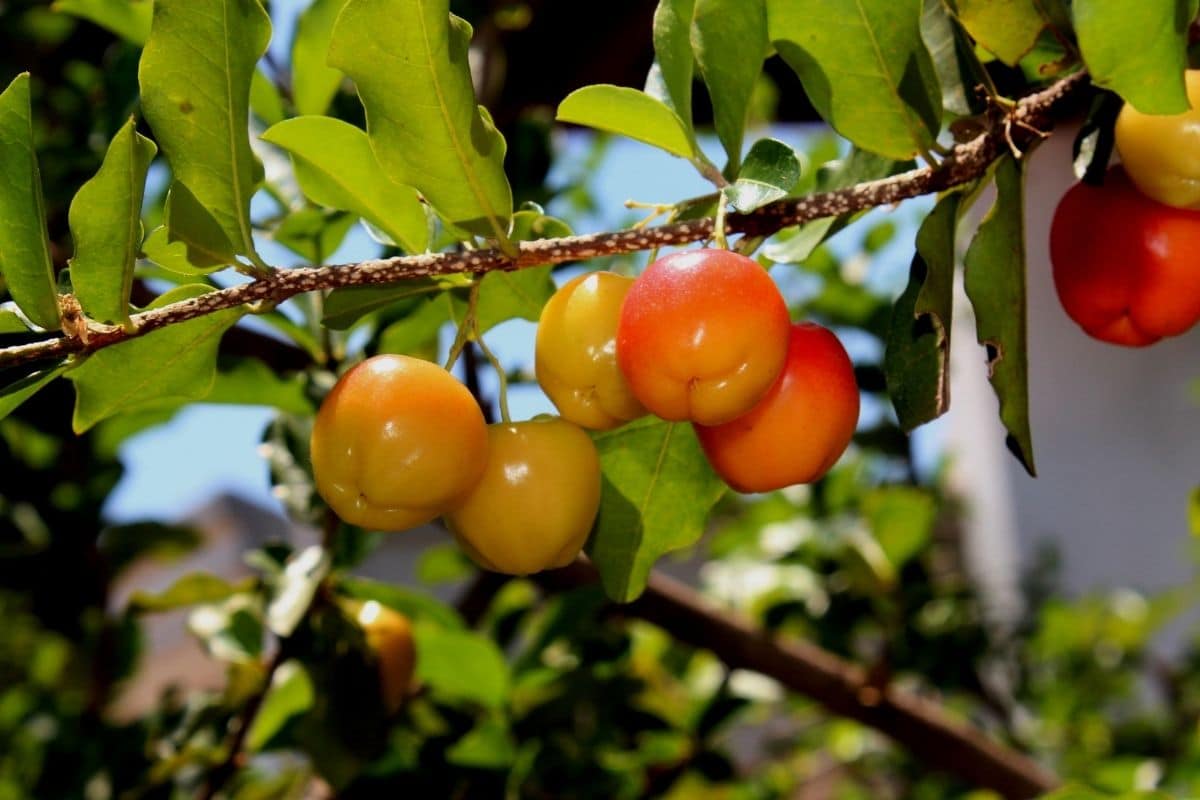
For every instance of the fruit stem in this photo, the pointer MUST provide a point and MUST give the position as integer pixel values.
(719, 223)
(464, 328)
(500, 376)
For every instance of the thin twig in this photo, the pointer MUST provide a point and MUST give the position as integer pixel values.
(965, 163)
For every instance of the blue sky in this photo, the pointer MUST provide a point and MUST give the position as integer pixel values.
(209, 449)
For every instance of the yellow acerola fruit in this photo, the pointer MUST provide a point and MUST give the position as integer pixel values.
(390, 639)
(537, 500)
(1161, 153)
(577, 352)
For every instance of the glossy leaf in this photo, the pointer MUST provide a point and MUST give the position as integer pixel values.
(175, 362)
(1093, 146)
(770, 172)
(675, 61)
(995, 284)
(336, 167)
(265, 101)
(1137, 48)
(106, 227)
(348, 305)
(176, 256)
(917, 360)
(628, 112)
(314, 82)
(192, 589)
(460, 665)
(17, 392)
(954, 60)
(129, 19)
(901, 519)
(658, 490)
(24, 251)
(1007, 28)
(865, 69)
(195, 78)
(729, 39)
(290, 694)
(11, 322)
(409, 62)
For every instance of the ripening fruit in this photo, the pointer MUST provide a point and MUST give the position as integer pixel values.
(396, 443)
(390, 639)
(702, 336)
(1125, 266)
(802, 426)
(1161, 153)
(539, 495)
(577, 352)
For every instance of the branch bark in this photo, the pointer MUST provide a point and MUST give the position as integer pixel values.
(965, 163)
(918, 724)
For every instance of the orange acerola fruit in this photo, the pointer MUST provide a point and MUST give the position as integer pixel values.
(390, 639)
(396, 443)
(576, 352)
(534, 507)
(1125, 265)
(702, 336)
(800, 428)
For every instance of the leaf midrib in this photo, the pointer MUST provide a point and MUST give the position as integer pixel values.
(892, 85)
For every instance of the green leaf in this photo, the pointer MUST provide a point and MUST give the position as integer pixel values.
(461, 666)
(1137, 48)
(409, 61)
(18, 392)
(314, 83)
(1193, 511)
(231, 630)
(487, 746)
(865, 69)
(771, 172)
(11, 322)
(729, 38)
(995, 284)
(192, 589)
(188, 221)
(917, 359)
(416, 333)
(414, 605)
(195, 76)
(521, 293)
(249, 381)
(901, 519)
(954, 60)
(291, 693)
(175, 256)
(336, 167)
(1094, 143)
(175, 362)
(129, 19)
(631, 113)
(106, 226)
(658, 489)
(346, 306)
(314, 234)
(1007, 28)
(265, 101)
(674, 58)
(24, 251)
(293, 589)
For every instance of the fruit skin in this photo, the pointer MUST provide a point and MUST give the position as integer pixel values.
(576, 352)
(390, 639)
(800, 428)
(1124, 265)
(702, 336)
(539, 495)
(1161, 153)
(396, 443)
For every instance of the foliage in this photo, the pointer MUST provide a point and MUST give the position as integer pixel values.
(389, 114)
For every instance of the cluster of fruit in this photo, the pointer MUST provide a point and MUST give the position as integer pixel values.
(701, 336)
(1125, 253)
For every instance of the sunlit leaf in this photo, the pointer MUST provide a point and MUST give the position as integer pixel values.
(461, 666)
(129, 19)
(631, 113)
(314, 83)
(729, 39)
(290, 694)
(769, 173)
(1007, 28)
(190, 590)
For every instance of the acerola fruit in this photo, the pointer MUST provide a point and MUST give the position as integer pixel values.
(1124, 265)
(396, 443)
(702, 336)
(799, 430)
(1161, 152)
(390, 639)
(539, 495)
(576, 353)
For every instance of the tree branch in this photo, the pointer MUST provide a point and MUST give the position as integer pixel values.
(965, 163)
(918, 724)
